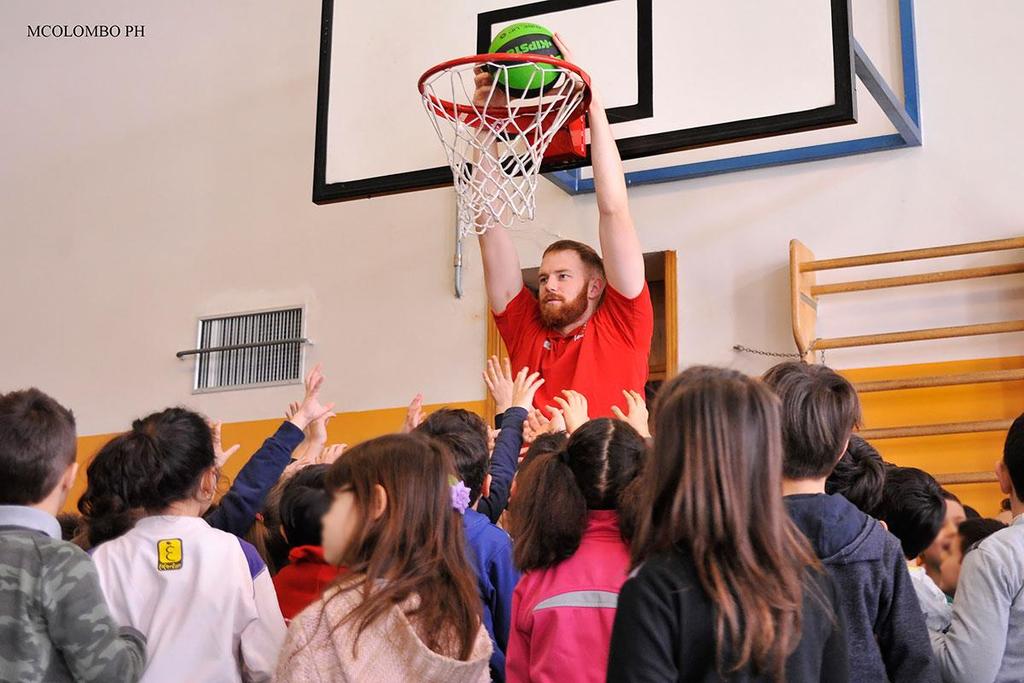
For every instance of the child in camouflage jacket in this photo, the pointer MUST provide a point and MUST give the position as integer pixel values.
(54, 621)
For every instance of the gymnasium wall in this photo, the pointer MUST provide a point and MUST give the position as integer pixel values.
(148, 182)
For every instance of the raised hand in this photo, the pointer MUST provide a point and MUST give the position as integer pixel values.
(485, 93)
(316, 432)
(498, 377)
(636, 412)
(219, 454)
(311, 409)
(564, 49)
(332, 453)
(413, 415)
(537, 423)
(315, 455)
(525, 388)
(574, 409)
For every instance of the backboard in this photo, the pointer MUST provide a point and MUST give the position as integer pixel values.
(674, 75)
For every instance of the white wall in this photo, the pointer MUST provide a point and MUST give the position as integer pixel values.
(146, 183)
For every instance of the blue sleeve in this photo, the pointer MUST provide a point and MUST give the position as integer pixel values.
(504, 460)
(239, 506)
(504, 577)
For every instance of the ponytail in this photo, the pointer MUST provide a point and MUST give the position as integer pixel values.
(548, 513)
(593, 470)
(143, 470)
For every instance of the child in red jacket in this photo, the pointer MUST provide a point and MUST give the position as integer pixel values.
(303, 503)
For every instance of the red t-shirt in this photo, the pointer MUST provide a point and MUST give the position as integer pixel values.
(599, 359)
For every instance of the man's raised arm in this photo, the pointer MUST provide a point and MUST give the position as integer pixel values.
(620, 247)
(503, 276)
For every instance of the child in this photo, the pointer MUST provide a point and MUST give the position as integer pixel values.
(408, 609)
(914, 509)
(565, 521)
(464, 434)
(970, 533)
(725, 586)
(54, 622)
(859, 476)
(985, 641)
(931, 558)
(202, 596)
(304, 501)
(886, 631)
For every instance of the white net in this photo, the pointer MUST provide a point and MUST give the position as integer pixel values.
(495, 141)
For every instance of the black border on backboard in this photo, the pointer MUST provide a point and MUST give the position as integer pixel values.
(842, 112)
(643, 108)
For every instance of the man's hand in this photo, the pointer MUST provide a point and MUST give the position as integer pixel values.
(636, 412)
(574, 409)
(525, 388)
(485, 94)
(498, 377)
(311, 409)
(413, 415)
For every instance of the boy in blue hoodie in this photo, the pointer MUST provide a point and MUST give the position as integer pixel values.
(888, 639)
(489, 479)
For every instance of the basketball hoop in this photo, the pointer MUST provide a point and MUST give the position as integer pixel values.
(496, 144)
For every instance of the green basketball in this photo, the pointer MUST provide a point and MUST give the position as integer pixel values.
(526, 79)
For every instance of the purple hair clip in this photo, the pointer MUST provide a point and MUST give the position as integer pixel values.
(460, 496)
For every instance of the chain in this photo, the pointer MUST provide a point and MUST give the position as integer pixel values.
(776, 354)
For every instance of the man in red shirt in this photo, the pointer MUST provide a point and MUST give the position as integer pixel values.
(591, 329)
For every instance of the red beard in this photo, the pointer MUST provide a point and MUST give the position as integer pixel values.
(565, 314)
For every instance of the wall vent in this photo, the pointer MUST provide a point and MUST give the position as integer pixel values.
(246, 350)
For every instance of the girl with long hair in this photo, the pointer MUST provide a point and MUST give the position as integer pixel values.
(408, 608)
(725, 586)
(565, 519)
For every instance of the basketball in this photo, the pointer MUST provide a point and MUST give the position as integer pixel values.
(526, 80)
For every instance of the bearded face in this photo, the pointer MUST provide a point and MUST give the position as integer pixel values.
(557, 313)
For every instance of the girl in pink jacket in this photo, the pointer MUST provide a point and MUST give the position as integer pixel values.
(567, 519)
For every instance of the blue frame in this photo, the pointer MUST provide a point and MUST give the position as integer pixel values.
(905, 117)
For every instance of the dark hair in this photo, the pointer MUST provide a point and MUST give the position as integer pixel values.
(265, 531)
(304, 501)
(37, 445)
(974, 531)
(416, 547)
(464, 434)
(949, 495)
(552, 442)
(971, 513)
(913, 508)
(713, 488)
(555, 490)
(1013, 455)
(859, 476)
(820, 409)
(590, 258)
(70, 524)
(158, 462)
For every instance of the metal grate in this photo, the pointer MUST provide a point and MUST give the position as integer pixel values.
(256, 365)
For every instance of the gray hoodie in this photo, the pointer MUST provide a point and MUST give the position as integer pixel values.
(985, 642)
(888, 639)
